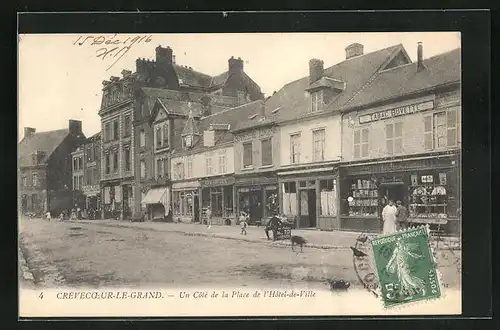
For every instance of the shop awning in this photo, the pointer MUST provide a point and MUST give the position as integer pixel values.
(154, 196)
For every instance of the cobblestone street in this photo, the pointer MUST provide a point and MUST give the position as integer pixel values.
(105, 254)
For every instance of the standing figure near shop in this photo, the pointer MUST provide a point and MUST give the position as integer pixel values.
(389, 218)
(243, 223)
(209, 217)
(401, 216)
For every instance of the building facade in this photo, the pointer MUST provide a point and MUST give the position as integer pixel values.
(405, 146)
(86, 165)
(117, 146)
(177, 89)
(45, 173)
(203, 167)
(257, 157)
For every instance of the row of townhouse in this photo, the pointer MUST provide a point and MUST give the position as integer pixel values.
(330, 149)
(130, 161)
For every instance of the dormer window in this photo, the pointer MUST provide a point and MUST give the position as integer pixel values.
(188, 141)
(161, 136)
(317, 101)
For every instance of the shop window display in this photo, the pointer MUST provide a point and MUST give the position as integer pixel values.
(429, 196)
(363, 198)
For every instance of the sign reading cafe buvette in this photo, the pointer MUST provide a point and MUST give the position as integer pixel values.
(401, 111)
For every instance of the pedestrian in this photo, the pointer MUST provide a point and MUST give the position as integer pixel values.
(208, 212)
(389, 218)
(48, 215)
(401, 216)
(273, 225)
(243, 224)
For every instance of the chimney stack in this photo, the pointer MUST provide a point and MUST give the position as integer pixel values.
(235, 65)
(353, 50)
(420, 57)
(29, 132)
(315, 70)
(75, 127)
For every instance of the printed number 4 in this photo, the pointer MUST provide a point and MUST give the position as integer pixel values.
(40, 295)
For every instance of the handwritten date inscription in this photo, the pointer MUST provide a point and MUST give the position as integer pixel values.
(111, 47)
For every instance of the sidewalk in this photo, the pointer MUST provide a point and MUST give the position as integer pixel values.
(315, 238)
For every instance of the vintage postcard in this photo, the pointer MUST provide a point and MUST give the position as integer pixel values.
(258, 174)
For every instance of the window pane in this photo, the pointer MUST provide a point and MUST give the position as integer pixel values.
(390, 146)
(398, 145)
(452, 137)
(428, 124)
(247, 154)
(267, 153)
(451, 119)
(389, 130)
(428, 141)
(364, 137)
(398, 129)
(364, 150)
(357, 148)
(357, 136)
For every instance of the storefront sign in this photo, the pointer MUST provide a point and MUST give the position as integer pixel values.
(217, 182)
(186, 185)
(256, 181)
(401, 111)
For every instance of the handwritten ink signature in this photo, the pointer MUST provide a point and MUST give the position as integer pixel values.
(114, 47)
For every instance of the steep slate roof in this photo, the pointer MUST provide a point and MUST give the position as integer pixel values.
(440, 70)
(294, 99)
(42, 141)
(218, 120)
(191, 77)
(220, 79)
(176, 102)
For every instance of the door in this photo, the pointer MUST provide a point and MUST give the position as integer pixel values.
(196, 207)
(126, 209)
(311, 204)
(24, 204)
(394, 192)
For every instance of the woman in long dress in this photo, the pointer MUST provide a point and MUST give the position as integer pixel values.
(389, 218)
(398, 263)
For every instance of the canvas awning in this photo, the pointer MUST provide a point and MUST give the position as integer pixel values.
(154, 196)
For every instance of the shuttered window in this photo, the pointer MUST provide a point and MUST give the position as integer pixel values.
(295, 148)
(247, 154)
(451, 128)
(428, 137)
(394, 138)
(319, 145)
(361, 143)
(267, 152)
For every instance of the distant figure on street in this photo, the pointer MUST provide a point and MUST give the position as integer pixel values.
(389, 218)
(209, 217)
(401, 216)
(243, 224)
(48, 215)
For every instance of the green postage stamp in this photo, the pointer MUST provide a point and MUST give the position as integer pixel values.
(406, 267)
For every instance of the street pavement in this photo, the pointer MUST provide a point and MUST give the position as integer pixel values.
(104, 253)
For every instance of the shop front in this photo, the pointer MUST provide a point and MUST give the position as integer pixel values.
(112, 201)
(92, 201)
(219, 194)
(309, 197)
(156, 202)
(257, 196)
(428, 186)
(185, 201)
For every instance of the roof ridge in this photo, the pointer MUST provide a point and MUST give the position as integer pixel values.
(374, 75)
(226, 110)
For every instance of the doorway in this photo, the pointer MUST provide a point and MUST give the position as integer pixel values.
(394, 192)
(308, 208)
(196, 210)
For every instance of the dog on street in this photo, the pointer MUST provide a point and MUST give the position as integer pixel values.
(299, 241)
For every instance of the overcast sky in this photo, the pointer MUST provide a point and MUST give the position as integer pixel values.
(60, 81)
